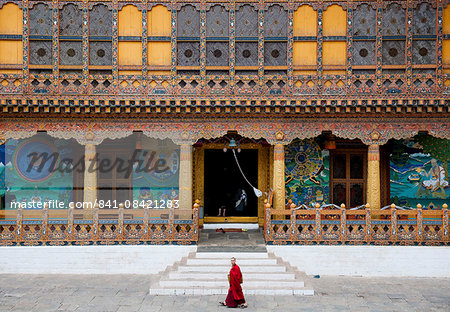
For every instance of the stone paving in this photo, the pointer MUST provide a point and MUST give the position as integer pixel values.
(121, 293)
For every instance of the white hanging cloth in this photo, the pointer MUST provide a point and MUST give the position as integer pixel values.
(258, 193)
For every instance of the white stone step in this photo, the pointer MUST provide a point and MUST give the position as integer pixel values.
(223, 283)
(228, 255)
(219, 276)
(206, 274)
(242, 262)
(226, 269)
(224, 291)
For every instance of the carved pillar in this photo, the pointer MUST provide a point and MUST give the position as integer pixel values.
(2, 175)
(185, 178)
(373, 177)
(278, 177)
(90, 174)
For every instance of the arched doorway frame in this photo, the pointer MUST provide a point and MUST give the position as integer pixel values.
(264, 178)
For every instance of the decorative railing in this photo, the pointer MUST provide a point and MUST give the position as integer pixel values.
(333, 225)
(99, 226)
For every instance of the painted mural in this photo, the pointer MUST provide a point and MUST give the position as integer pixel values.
(307, 172)
(37, 170)
(419, 172)
(155, 175)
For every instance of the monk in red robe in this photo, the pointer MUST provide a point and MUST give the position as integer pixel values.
(235, 296)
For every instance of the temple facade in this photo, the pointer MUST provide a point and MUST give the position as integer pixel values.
(139, 121)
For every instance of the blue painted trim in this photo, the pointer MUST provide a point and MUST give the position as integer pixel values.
(158, 38)
(188, 38)
(432, 222)
(275, 38)
(8, 222)
(39, 37)
(364, 37)
(82, 222)
(424, 37)
(130, 38)
(11, 37)
(334, 38)
(361, 222)
(394, 37)
(406, 222)
(305, 38)
(58, 221)
(133, 221)
(32, 222)
(247, 39)
(100, 38)
(280, 222)
(381, 222)
(305, 222)
(108, 221)
(158, 221)
(79, 38)
(218, 38)
(183, 222)
(330, 222)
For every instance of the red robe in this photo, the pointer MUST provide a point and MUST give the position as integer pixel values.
(235, 295)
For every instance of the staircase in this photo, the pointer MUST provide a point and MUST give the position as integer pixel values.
(205, 273)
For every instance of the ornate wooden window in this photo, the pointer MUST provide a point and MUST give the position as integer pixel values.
(11, 58)
(188, 43)
(348, 177)
(246, 46)
(217, 46)
(364, 34)
(446, 46)
(130, 41)
(40, 34)
(393, 49)
(424, 46)
(70, 43)
(334, 56)
(100, 38)
(305, 41)
(275, 37)
(158, 46)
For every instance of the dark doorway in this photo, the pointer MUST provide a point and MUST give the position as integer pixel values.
(348, 177)
(223, 180)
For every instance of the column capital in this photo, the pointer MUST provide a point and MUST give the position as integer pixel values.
(373, 152)
(374, 146)
(184, 142)
(278, 152)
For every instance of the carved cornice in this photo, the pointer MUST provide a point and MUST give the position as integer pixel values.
(373, 131)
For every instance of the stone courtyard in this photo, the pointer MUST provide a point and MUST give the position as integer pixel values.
(96, 293)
